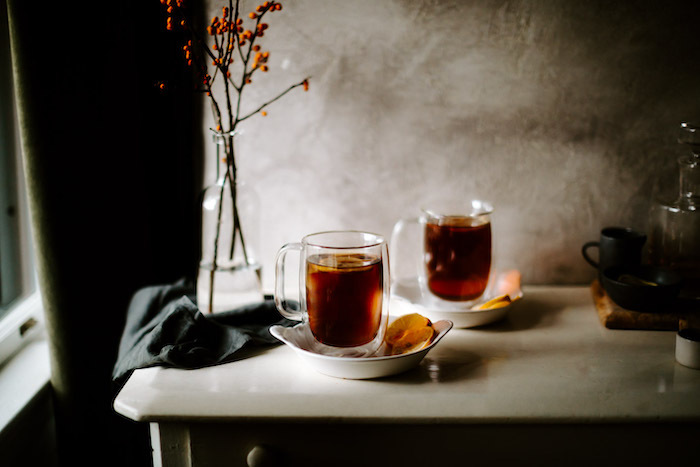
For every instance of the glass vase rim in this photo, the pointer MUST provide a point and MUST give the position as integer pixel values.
(378, 239)
(216, 132)
(219, 137)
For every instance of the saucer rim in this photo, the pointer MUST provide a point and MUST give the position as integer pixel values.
(370, 359)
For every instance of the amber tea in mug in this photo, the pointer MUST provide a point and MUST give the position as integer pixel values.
(457, 257)
(343, 291)
(344, 298)
(452, 260)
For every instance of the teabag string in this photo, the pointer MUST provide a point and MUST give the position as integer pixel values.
(165, 327)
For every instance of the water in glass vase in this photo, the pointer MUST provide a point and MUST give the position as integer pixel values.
(229, 273)
(233, 286)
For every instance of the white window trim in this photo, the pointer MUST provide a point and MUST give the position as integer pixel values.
(25, 367)
(24, 354)
(23, 323)
(17, 317)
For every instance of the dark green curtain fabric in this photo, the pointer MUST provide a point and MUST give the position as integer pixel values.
(112, 167)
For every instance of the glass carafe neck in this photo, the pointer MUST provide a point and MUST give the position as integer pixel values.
(689, 181)
(690, 167)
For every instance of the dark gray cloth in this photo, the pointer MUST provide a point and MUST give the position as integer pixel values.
(164, 327)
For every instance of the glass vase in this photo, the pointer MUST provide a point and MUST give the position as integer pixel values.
(229, 272)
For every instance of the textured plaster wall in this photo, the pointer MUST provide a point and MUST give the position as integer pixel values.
(562, 114)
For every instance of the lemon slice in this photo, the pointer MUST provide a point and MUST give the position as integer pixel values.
(634, 280)
(409, 333)
(498, 302)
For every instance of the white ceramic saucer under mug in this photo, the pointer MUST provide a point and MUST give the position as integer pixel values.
(376, 366)
(408, 296)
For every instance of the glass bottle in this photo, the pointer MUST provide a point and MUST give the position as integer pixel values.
(674, 240)
(229, 272)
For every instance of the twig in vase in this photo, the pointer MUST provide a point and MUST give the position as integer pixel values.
(229, 37)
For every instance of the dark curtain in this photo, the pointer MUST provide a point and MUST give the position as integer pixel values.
(113, 172)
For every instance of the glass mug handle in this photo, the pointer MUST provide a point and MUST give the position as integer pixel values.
(280, 297)
(397, 246)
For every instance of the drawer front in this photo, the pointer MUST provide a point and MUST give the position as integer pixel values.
(354, 444)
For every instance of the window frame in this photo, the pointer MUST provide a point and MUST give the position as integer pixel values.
(21, 308)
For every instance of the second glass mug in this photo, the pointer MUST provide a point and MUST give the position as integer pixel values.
(343, 291)
(456, 250)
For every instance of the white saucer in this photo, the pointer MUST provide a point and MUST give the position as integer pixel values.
(354, 368)
(407, 296)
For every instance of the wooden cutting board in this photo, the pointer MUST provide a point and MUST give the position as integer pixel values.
(612, 316)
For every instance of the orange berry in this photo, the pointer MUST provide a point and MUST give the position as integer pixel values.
(252, 15)
(306, 85)
(264, 68)
(256, 48)
(248, 81)
(265, 54)
(215, 47)
(218, 127)
(263, 113)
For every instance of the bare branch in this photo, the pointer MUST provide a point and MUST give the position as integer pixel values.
(259, 109)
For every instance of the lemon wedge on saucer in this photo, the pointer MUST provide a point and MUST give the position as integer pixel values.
(409, 333)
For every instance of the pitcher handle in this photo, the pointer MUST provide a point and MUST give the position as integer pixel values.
(398, 249)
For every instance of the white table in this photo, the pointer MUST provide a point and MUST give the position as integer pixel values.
(547, 385)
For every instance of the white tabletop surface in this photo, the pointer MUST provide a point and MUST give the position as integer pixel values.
(550, 360)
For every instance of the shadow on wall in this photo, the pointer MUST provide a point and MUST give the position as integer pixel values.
(564, 115)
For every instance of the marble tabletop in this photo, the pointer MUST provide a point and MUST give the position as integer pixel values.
(549, 360)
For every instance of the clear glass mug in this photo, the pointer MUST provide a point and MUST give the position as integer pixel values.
(456, 249)
(343, 291)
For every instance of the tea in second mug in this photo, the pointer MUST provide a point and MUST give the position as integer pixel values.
(457, 250)
(343, 290)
